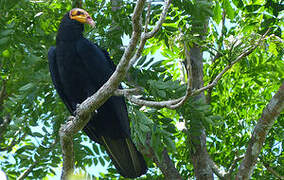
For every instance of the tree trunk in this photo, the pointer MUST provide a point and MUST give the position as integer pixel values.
(199, 155)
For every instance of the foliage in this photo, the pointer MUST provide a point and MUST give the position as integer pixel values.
(36, 112)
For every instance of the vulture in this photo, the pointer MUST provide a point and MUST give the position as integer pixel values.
(78, 68)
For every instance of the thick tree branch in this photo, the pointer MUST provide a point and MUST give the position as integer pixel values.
(268, 117)
(165, 164)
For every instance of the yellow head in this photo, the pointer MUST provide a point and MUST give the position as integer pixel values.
(82, 16)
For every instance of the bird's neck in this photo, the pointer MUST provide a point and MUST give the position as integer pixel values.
(69, 35)
(70, 30)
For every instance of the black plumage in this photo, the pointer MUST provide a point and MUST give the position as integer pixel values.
(78, 69)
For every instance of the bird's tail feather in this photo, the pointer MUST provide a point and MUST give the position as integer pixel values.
(127, 160)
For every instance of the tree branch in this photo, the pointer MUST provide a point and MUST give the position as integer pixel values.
(92, 103)
(4, 125)
(269, 115)
(3, 93)
(147, 35)
(35, 163)
(175, 103)
(14, 142)
(167, 166)
(216, 169)
(276, 174)
(27, 171)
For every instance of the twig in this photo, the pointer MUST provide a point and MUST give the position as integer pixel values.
(147, 35)
(234, 164)
(14, 142)
(189, 79)
(34, 164)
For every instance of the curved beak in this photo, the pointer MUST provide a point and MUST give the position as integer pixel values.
(90, 21)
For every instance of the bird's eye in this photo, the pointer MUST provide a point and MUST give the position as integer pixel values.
(79, 13)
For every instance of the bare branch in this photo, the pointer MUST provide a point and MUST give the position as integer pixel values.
(222, 174)
(240, 57)
(160, 104)
(27, 171)
(147, 35)
(161, 20)
(147, 17)
(234, 164)
(268, 117)
(125, 92)
(165, 164)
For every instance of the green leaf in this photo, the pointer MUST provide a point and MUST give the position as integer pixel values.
(144, 128)
(170, 144)
(4, 40)
(228, 9)
(217, 13)
(141, 60)
(102, 161)
(6, 32)
(37, 134)
(27, 87)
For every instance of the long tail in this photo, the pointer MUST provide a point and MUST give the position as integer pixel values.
(127, 160)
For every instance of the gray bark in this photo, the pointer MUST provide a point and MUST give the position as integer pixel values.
(199, 155)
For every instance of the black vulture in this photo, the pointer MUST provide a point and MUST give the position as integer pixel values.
(78, 68)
